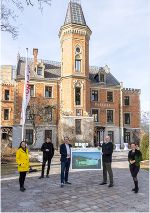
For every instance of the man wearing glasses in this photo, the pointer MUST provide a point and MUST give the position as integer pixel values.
(65, 151)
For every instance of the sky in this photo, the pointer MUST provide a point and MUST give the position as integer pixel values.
(120, 38)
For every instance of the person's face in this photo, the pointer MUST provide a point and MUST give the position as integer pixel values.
(107, 139)
(48, 140)
(23, 145)
(66, 140)
(133, 147)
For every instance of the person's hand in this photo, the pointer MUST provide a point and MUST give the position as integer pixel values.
(132, 161)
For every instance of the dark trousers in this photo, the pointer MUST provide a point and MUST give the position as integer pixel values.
(48, 166)
(65, 170)
(22, 179)
(134, 171)
(107, 168)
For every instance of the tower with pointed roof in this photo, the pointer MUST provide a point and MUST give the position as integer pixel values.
(74, 38)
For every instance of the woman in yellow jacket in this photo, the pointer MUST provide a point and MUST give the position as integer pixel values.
(22, 159)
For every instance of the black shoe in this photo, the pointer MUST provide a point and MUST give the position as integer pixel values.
(67, 182)
(62, 185)
(103, 183)
(22, 189)
(110, 185)
(133, 189)
(47, 176)
(41, 177)
(136, 190)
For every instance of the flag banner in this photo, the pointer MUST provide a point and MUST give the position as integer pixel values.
(86, 159)
(26, 94)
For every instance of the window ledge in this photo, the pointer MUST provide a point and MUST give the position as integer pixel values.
(110, 102)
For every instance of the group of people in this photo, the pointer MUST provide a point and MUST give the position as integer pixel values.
(22, 159)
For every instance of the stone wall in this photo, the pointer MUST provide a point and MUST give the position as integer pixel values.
(17, 135)
(67, 128)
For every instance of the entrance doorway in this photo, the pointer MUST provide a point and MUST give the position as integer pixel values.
(100, 131)
(48, 134)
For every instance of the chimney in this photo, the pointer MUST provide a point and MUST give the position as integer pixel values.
(35, 53)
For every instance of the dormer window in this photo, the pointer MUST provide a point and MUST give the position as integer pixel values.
(102, 77)
(39, 71)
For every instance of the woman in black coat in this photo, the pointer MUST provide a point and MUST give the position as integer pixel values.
(134, 158)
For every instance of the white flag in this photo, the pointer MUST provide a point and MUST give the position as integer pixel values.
(26, 93)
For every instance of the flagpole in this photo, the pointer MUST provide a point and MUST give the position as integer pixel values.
(24, 96)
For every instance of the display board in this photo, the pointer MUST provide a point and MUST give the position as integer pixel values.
(86, 159)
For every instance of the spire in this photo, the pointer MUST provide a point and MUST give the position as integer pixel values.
(74, 13)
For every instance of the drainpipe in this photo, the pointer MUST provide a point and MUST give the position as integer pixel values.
(121, 116)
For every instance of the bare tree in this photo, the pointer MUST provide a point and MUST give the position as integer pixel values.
(9, 13)
(37, 114)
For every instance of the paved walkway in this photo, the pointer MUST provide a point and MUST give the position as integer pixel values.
(84, 195)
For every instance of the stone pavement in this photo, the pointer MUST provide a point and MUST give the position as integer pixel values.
(84, 195)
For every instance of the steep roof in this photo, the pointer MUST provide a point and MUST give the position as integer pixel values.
(74, 14)
(53, 71)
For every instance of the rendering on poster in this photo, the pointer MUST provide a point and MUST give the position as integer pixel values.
(86, 158)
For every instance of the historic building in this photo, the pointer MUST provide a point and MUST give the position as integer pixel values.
(7, 92)
(72, 98)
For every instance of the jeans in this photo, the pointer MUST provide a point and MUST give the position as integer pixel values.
(22, 178)
(48, 166)
(107, 168)
(65, 170)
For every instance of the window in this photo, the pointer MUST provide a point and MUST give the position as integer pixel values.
(48, 92)
(28, 114)
(31, 90)
(48, 113)
(95, 114)
(6, 95)
(94, 95)
(39, 71)
(126, 100)
(6, 114)
(79, 112)
(127, 137)
(102, 77)
(110, 96)
(78, 126)
(78, 50)
(4, 136)
(111, 135)
(29, 136)
(127, 118)
(78, 96)
(78, 65)
(48, 134)
(109, 116)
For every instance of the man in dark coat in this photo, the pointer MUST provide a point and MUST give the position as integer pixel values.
(107, 150)
(48, 153)
(65, 151)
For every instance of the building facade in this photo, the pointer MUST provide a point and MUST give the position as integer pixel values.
(7, 93)
(72, 98)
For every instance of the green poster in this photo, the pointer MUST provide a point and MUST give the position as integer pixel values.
(86, 158)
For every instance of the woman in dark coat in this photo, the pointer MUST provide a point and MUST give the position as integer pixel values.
(134, 158)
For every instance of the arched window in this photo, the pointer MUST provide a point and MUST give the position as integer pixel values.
(77, 63)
